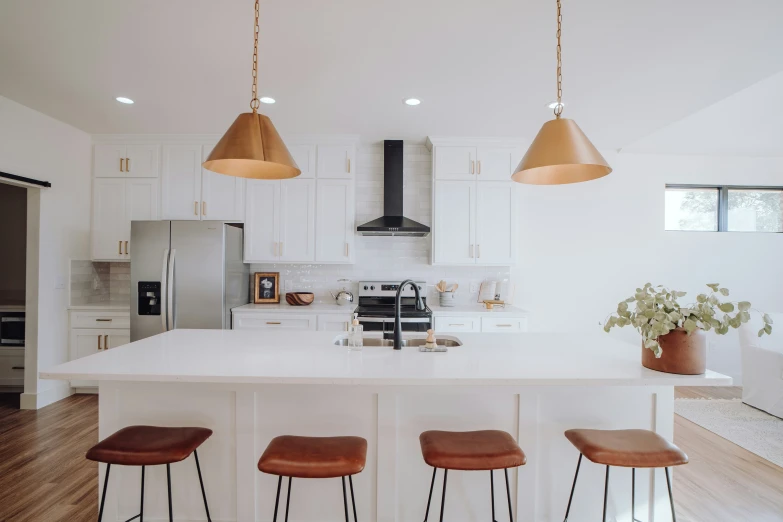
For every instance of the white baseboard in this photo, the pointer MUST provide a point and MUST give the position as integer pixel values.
(36, 401)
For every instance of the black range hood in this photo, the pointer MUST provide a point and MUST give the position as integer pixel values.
(393, 223)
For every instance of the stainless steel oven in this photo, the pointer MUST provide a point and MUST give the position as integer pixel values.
(11, 328)
(376, 308)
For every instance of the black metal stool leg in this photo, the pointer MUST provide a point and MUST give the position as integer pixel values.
(492, 491)
(573, 487)
(277, 497)
(671, 497)
(103, 495)
(633, 494)
(429, 499)
(606, 491)
(201, 481)
(168, 477)
(443, 499)
(345, 501)
(288, 499)
(141, 511)
(353, 498)
(508, 495)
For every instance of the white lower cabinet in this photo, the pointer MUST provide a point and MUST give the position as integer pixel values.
(117, 202)
(93, 332)
(334, 322)
(12, 367)
(262, 321)
(445, 323)
(503, 324)
(479, 323)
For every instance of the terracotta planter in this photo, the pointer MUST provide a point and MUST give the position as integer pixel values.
(682, 353)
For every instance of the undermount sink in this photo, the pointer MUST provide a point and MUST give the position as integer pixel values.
(446, 341)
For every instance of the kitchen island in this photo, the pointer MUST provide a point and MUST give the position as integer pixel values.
(250, 386)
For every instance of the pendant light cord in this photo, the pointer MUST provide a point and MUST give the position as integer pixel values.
(559, 106)
(255, 103)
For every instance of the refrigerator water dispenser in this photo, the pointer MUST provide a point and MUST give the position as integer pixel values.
(149, 297)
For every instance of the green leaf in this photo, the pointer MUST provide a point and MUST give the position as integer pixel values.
(690, 325)
(768, 319)
(680, 294)
(607, 327)
(726, 307)
(768, 329)
(714, 286)
(744, 316)
(630, 300)
(724, 291)
(713, 300)
(701, 298)
(761, 332)
(622, 307)
(744, 306)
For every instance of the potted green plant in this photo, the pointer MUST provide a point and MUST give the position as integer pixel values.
(673, 339)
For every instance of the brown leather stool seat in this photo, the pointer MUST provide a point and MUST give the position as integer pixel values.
(148, 445)
(314, 457)
(471, 450)
(627, 448)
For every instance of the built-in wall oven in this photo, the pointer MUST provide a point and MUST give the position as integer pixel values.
(376, 307)
(11, 328)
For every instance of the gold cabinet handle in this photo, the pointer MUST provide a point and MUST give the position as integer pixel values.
(478, 167)
(195, 208)
(105, 342)
(127, 164)
(203, 208)
(455, 324)
(273, 322)
(472, 166)
(121, 166)
(126, 248)
(349, 165)
(101, 320)
(119, 247)
(504, 325)
(346, 250)
(99, 343)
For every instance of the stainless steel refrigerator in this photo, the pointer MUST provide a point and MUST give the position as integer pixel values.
(186, 274)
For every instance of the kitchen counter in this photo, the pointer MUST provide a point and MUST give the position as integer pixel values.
(315, 308)
(249, 386)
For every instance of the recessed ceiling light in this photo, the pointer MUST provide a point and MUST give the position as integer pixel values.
(123, 99)
(412, 101)
(553, 105)
(266, 99)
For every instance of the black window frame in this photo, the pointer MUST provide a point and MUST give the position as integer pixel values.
(723, 204)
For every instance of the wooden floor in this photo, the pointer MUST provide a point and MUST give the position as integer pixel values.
(45, 478)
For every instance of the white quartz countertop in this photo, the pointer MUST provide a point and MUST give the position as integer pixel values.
(308, 357)
(283, 307)
(476, 309)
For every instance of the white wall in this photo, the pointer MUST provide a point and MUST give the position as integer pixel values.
(587, 246)
(36, 146)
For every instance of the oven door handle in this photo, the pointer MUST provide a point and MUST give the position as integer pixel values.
(11, 319)
(391, 320)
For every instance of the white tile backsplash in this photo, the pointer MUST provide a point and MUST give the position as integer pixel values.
(95, 282)
(392, 258)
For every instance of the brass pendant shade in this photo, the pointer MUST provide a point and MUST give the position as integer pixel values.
(560, 154)
(252, 148)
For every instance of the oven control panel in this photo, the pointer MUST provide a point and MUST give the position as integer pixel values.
(389, 289)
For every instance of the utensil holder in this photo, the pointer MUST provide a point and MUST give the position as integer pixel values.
(446, 299)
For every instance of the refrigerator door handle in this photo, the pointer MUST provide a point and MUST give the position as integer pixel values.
(164, 289)
(170, 290)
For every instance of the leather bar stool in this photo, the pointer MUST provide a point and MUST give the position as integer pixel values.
(470, 451)
(314, 457)
(149, 446)
(628, 449)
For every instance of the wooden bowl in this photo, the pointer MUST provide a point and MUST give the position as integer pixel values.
(299, 298)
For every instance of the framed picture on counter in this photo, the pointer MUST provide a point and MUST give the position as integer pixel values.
(266, 288)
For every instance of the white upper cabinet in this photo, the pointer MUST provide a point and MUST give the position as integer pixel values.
(117, 202)
(297, 220)
(495, 223)
(455, 207)
(496, 163)
(181, 182)
(222, 197)
(335, 161)
(474, 201)
(335, 222)
(455, 162)
(304, 156)
(262, 217)
(122, 161)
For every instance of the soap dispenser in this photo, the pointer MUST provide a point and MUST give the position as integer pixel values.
(355, 334)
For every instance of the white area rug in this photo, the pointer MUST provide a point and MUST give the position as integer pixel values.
(747, 427)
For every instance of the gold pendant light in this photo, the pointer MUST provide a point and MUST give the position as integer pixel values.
(561, 153)
(251, 147)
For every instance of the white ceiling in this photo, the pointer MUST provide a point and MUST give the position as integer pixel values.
(343, 66)
(748, 123)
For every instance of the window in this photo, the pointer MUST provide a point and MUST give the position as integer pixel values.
(723, 208)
